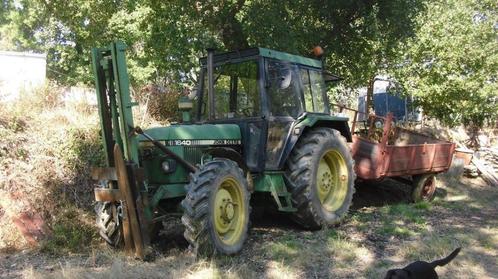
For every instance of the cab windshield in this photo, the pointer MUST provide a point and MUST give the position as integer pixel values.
(236, 91)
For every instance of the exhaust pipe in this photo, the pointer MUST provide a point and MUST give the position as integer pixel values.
(210, 73)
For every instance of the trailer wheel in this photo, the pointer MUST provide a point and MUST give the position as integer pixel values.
(424, 187)
(109, 223)
(216, 209)
(320, 169)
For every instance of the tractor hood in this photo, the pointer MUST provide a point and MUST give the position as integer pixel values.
(203, 134)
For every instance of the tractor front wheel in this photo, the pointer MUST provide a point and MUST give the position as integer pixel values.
(109, 222)
(320, 169)
(216, 209)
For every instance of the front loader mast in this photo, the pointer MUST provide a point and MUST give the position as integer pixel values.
(123, 178)
(123, 175)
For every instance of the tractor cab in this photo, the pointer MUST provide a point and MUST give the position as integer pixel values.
(266, 93)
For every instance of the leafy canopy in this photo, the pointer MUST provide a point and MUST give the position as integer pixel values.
(166, 37)
(451, 65)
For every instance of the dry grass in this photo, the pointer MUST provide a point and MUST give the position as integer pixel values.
(351, 250)
(47, 148)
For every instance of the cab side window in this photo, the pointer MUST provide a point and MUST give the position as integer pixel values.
(236, 91)
(305, 81)
(314, 90)
(318, 90)
(283, 90)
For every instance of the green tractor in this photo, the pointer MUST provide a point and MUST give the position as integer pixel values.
(259, 122)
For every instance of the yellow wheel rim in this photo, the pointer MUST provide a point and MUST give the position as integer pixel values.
(229, 217)
(332, 180)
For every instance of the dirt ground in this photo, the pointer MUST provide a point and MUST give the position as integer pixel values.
(382, 231)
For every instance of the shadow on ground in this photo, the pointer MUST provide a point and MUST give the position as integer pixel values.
(365, 245)
(264, 217)
(380, 193)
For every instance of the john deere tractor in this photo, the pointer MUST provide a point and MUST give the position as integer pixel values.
(259, 122)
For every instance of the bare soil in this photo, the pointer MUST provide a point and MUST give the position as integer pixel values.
(382, 231)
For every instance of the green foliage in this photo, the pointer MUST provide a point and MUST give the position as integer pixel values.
(443, 52)
(70, 234)
(81, 149)
(451, 64)
(166, 37)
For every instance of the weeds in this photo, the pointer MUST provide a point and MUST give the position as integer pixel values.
(46, 152)
(70, 234)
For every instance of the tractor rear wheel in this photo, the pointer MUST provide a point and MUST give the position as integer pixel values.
(216, 209)
(424, 187)
(320, 169)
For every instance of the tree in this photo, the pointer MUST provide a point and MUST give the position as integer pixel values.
(451, 65)
(166, 37)
(19, 21)
(361, 38)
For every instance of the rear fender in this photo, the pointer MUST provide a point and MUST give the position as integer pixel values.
(309, 122)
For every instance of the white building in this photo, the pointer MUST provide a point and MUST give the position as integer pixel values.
(20, 71)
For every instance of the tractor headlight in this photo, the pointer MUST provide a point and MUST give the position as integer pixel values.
(168, 166)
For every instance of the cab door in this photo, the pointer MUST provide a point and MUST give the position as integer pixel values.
(237, 94)
(283, 107)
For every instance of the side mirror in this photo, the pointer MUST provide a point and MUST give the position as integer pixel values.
(185, 105)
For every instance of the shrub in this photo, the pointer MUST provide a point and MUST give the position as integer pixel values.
(161, 102)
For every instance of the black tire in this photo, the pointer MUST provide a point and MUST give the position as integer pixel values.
(424, 187)
(302, 168)
(199, 218)
(109, 223)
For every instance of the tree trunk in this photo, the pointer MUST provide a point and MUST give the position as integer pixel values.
(233, 36)
(369, 106)
(223, 20)
(232, 32)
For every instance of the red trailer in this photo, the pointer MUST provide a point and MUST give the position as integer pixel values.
(381, 149)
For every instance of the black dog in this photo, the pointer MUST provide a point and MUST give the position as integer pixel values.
(421, 269)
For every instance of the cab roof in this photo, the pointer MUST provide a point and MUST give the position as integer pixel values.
(264, 52)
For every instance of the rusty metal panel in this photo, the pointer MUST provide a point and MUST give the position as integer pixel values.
(128, 239)
(107, 195)
(366, 155)
(418, 159)
(444, 154)
(425, 157)
(375, 161)
(124, 186)
(104, 174)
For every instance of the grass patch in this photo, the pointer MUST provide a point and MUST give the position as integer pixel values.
(400, 231)
(488, 237)
(285, 248)
(70, 234)
(423, 205)
(432, 247)
(407, 212)
(344, 250)
(361, 219)
(378, 270)
(403, 220)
